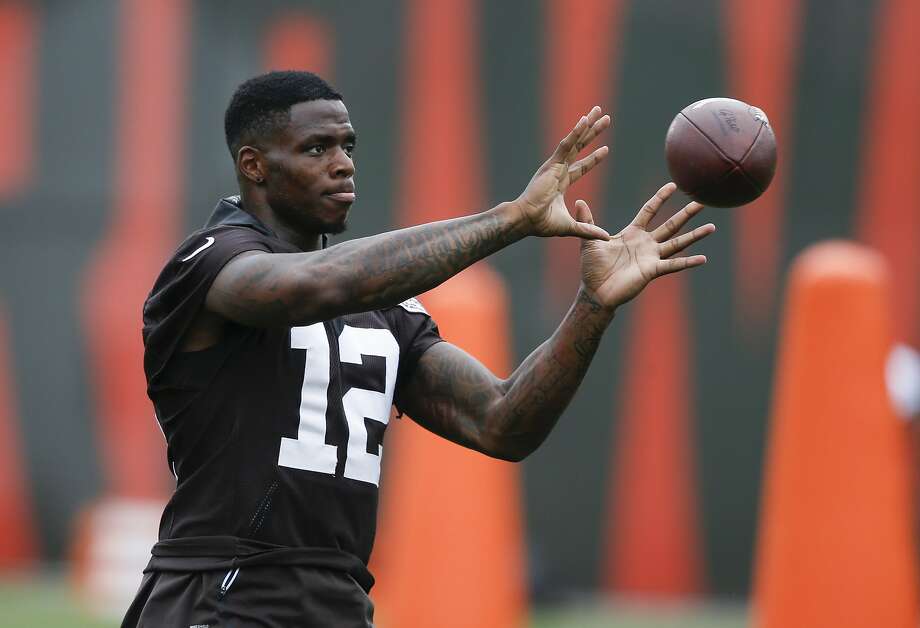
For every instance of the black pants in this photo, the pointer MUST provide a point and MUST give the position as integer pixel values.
(257, 596)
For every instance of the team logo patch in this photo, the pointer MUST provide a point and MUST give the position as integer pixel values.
(414, 305)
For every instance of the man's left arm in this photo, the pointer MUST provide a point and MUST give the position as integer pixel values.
(453, 395)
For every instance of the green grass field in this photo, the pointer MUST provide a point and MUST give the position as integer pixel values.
(44, 602)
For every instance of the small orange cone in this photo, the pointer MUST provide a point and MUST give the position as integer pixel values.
(836, 547)
(450, 552)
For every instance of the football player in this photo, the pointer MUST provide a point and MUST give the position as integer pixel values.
(273, 360)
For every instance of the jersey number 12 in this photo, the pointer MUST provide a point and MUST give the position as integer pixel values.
(309, 451)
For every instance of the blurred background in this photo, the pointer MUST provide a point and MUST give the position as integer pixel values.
(648, 491)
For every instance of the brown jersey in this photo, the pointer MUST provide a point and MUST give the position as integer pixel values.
(275, 435)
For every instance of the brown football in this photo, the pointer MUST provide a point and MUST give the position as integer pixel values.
(721, 152)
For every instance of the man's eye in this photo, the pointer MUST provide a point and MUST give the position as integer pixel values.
(349, 149)
(316, 149)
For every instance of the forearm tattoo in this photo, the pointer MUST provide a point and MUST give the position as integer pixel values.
(364, 274)
(388, 268)
(457, 397)
(541, 388)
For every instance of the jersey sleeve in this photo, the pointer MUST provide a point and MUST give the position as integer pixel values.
(182, 286)
(416, 332)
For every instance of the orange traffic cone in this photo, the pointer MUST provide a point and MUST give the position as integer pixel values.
(836, 547)
(653, 539)
(18, 546)
(450, 548)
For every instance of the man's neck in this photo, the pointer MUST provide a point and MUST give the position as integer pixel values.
(258, 207)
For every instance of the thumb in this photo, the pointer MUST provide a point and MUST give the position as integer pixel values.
(586, 231)
(584, 226)
(583, 212)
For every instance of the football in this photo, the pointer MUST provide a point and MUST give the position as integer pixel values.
(721, 152)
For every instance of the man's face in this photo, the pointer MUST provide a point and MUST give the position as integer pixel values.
(310, 176)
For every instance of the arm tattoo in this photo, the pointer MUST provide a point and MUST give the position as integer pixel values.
(391, 267)
(457, 397)
(363, 274)
(541, 388)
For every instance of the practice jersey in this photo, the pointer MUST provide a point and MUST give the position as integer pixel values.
(275, 435)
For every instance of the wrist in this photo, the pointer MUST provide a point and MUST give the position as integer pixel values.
(589, 300)
(514, 213)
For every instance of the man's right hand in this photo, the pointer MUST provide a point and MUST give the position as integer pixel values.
(543, 204)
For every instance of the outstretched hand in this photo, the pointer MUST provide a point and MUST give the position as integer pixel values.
(542, 202)
(615, 271)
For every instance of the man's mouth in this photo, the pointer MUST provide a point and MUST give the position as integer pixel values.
(343, 197)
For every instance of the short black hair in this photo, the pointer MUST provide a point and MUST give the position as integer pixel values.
(263, 103)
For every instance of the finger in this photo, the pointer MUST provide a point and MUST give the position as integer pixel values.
(668, 266)
(676, 222)
(583, 166)
(652, 205)
(583, 212)
(595, 128)
(588, 231)
(595, 114)
(678, 244)
(592, 116)
(569, 141)
(594, 119)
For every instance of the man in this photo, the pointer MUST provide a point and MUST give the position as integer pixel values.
(273, 362)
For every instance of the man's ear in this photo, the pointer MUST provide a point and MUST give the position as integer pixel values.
(251, 163)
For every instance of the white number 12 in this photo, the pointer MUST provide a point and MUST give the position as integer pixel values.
(309, 450)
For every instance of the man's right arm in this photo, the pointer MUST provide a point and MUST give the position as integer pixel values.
(261, 289)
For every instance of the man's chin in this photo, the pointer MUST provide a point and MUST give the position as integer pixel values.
(335, 228)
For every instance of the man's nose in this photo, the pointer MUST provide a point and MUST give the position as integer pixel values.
(342, 165)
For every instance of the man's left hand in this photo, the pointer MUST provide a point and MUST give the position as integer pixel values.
(616, 270)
